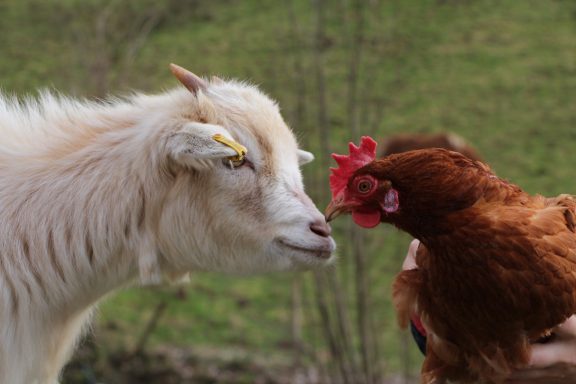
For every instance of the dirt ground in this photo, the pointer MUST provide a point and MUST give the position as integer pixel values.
(171, 365)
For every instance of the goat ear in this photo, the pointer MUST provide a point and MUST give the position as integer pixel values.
(304, 157)
(195, 141)
(188, 79)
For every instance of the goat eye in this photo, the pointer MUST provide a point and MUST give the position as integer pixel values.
(364, 186)
(238, 163)
(234, 163)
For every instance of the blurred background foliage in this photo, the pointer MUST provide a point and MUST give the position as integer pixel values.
(502, 74)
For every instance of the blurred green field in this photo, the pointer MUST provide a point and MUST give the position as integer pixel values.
(500, 73)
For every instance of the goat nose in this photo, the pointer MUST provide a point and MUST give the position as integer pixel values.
(321, 228)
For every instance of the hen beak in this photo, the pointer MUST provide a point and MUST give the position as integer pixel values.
(335, 209)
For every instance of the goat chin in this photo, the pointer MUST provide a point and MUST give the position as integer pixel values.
(95, 195)
(306, 254)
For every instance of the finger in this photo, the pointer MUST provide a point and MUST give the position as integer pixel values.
(528, 374)
(568, 328)
(542, 375)
(540, 380)
(545, 355)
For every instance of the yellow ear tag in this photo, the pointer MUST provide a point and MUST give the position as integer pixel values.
(239, 148)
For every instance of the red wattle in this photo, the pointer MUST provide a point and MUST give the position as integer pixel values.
(366, 219)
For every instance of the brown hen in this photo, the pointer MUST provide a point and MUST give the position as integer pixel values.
(404, 142)
(496, 266)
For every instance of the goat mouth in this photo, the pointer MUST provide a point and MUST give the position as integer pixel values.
(318, 252)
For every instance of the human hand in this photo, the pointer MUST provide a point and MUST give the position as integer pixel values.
(553, 362)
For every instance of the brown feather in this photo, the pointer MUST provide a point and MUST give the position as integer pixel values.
(409, 141)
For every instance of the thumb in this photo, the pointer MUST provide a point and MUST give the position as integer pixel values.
(410, 260)
(545, 355)
(562, 349)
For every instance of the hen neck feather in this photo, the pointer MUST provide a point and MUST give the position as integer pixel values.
(437, 187)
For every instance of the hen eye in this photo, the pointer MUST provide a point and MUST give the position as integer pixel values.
(364, 186)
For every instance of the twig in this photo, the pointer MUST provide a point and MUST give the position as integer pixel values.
(150, 326)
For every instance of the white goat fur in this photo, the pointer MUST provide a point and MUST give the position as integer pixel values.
(93, 195)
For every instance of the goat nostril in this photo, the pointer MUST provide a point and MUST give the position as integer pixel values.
(321, 228)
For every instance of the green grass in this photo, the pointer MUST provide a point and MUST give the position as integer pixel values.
(217, 310)
(500, 73)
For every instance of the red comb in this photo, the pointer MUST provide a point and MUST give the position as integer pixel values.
(359, 157)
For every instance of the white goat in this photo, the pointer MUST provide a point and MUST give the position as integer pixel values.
(93, 195)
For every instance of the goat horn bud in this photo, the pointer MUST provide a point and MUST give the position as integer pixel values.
(188, 79)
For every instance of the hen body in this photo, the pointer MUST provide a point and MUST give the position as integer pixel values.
(496, 266)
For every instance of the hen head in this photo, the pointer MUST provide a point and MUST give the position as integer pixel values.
(408, 189)
(364, 194)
